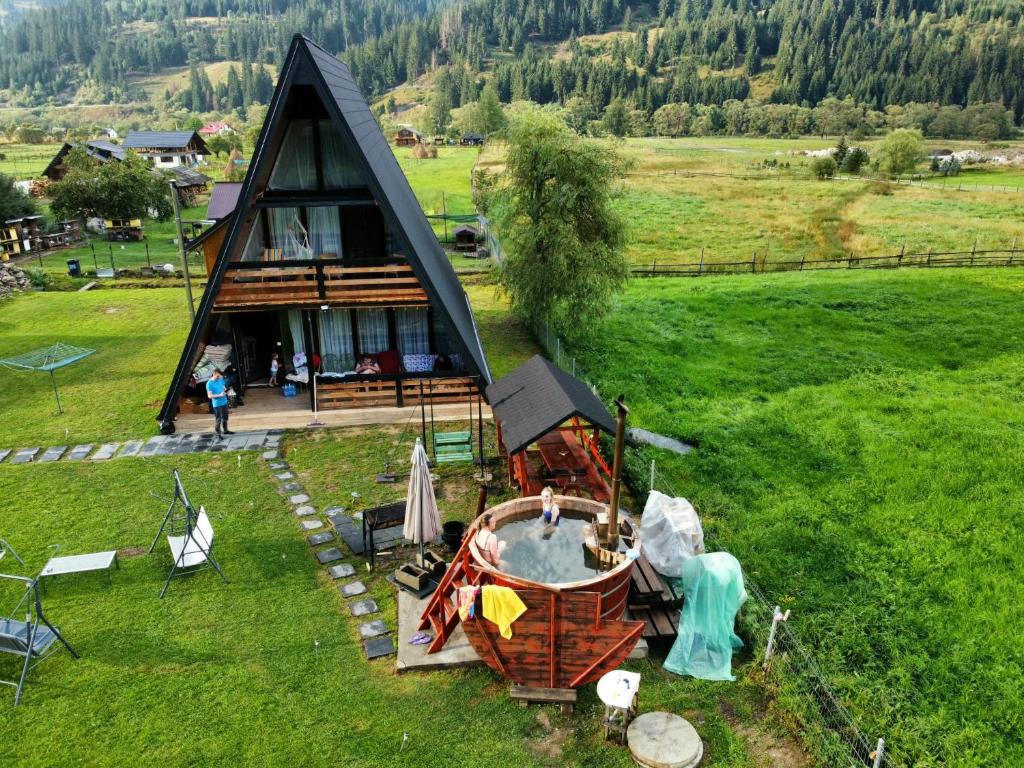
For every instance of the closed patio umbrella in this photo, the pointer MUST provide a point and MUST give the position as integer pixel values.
(422, 518)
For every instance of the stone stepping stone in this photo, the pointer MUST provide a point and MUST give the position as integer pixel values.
(150, 448)
(277, 465)
(311, 525)
(4, 453)
(664, 740)
(374, 628)
(291, 488)
(342, 571)
(353, 589)
(305, 510)
(320, 538)
(364, 607)
(378, 647)
(106, 451)
(24, 456)
(298, 498)
(271, 455)
(52, 454)
(285, 475)
(328, 555)
(334, 510)
(79, 452)
(131, 448)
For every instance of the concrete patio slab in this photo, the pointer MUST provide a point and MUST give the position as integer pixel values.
(457, 652)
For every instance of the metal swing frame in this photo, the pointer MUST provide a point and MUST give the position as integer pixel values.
(34, 639)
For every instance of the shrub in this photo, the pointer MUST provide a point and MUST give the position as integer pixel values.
(823, 167)
(37, 277)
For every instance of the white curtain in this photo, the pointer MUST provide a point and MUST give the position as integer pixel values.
(253, 250)
(373, 330)
(287, 235)
(413, 332)
(340, 168)
(324, 231)
(295, 326)
(295, 167)
(336, 340)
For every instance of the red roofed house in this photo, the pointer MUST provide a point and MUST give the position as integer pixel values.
(216, 128)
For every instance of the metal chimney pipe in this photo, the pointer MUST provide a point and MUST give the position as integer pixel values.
(620, 440)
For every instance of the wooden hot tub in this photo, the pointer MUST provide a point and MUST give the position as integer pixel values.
(571, 633)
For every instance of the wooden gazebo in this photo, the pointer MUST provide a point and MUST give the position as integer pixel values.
(548, 426)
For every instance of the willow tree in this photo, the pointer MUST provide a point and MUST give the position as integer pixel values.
(563, 242)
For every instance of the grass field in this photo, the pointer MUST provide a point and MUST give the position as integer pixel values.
(859, 441)
(216, 673)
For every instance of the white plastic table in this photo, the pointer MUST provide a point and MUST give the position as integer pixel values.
(617, 691)
(96, 561)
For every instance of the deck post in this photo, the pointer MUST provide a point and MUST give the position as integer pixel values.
(613, 504)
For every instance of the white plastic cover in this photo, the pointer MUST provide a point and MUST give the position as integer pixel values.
(670, 533)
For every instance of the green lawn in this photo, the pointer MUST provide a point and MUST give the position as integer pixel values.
(230, 673)
(859, 447)
(112, 395)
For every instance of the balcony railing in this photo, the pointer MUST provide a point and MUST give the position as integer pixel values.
(338, 282)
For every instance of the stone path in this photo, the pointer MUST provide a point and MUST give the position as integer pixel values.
(376, 636)
(267, 441)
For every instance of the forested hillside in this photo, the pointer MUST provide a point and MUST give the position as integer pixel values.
(879, 52)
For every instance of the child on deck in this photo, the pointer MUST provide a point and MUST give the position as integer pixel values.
(275, 366)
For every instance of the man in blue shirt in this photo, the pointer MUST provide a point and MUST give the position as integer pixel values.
(217, 391)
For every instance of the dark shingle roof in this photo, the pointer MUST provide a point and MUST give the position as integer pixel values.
(164, 140)
(186, 177)
(538, 397)
(223, 199)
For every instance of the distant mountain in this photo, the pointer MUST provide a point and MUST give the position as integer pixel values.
(880, 52)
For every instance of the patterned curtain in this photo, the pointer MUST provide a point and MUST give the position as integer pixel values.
(295, 167)
(324, 231)
(373, 330)
(413, 331)
(336, 341)
(340, 169)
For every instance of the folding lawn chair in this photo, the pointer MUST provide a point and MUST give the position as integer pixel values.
(7, 549)
(33, 639)
(193, 551)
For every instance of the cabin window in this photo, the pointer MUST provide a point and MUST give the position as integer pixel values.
(289, 238)
(324, 232)
(442, 344)
(295, 167)
(373, 330)
(253, 250)
(337, 354)
(340, 168)
(166, 158)
(413, 331)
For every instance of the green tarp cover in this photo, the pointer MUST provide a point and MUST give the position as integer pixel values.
(712, 595)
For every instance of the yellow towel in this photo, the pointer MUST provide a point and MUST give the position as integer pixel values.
(502, 606)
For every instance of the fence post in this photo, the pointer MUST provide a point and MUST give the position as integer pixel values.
(1013, 249)
(878, 754)
(903, 250)
(110, 248)
(148, 262)
(700, 267)
(802, 257)
(973, 249)
(652, 474)
(928, 262)
(753, 263)
(574, 366)
(558, 351)
(654, 266)
(777, 616)
(95, 263)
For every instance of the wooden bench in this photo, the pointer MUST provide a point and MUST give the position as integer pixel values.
(659, 622)
(649, 588)
(565, 698)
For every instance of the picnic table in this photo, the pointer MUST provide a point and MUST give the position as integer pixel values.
(570, 466)
(95, 561)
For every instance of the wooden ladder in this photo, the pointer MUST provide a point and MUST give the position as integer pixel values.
(440, 614)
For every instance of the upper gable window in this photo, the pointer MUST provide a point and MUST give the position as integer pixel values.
(295, 167)
(340, 168)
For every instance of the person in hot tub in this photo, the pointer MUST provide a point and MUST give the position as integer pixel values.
(548, 506)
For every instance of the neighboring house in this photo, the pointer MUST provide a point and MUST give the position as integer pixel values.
(407, 136)
(100, 150)
(168, 149)
(216, 128)
(328, 256)
(473, 140)
(110, 133)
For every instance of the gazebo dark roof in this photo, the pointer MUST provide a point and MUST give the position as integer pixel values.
(538, 397)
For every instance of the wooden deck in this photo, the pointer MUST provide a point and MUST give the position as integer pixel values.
(267, 409)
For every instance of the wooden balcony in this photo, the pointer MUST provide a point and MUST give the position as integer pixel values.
(354, 283)
(398, 390)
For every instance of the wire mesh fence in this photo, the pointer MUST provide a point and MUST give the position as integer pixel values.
(788, 670)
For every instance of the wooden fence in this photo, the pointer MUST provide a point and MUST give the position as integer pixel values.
(756, 265)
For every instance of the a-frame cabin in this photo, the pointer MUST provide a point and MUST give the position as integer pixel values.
(328, 256)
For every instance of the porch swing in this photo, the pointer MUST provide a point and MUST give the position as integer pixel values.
(451, 447)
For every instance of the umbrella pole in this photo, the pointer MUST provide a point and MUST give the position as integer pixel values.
(53, 382)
